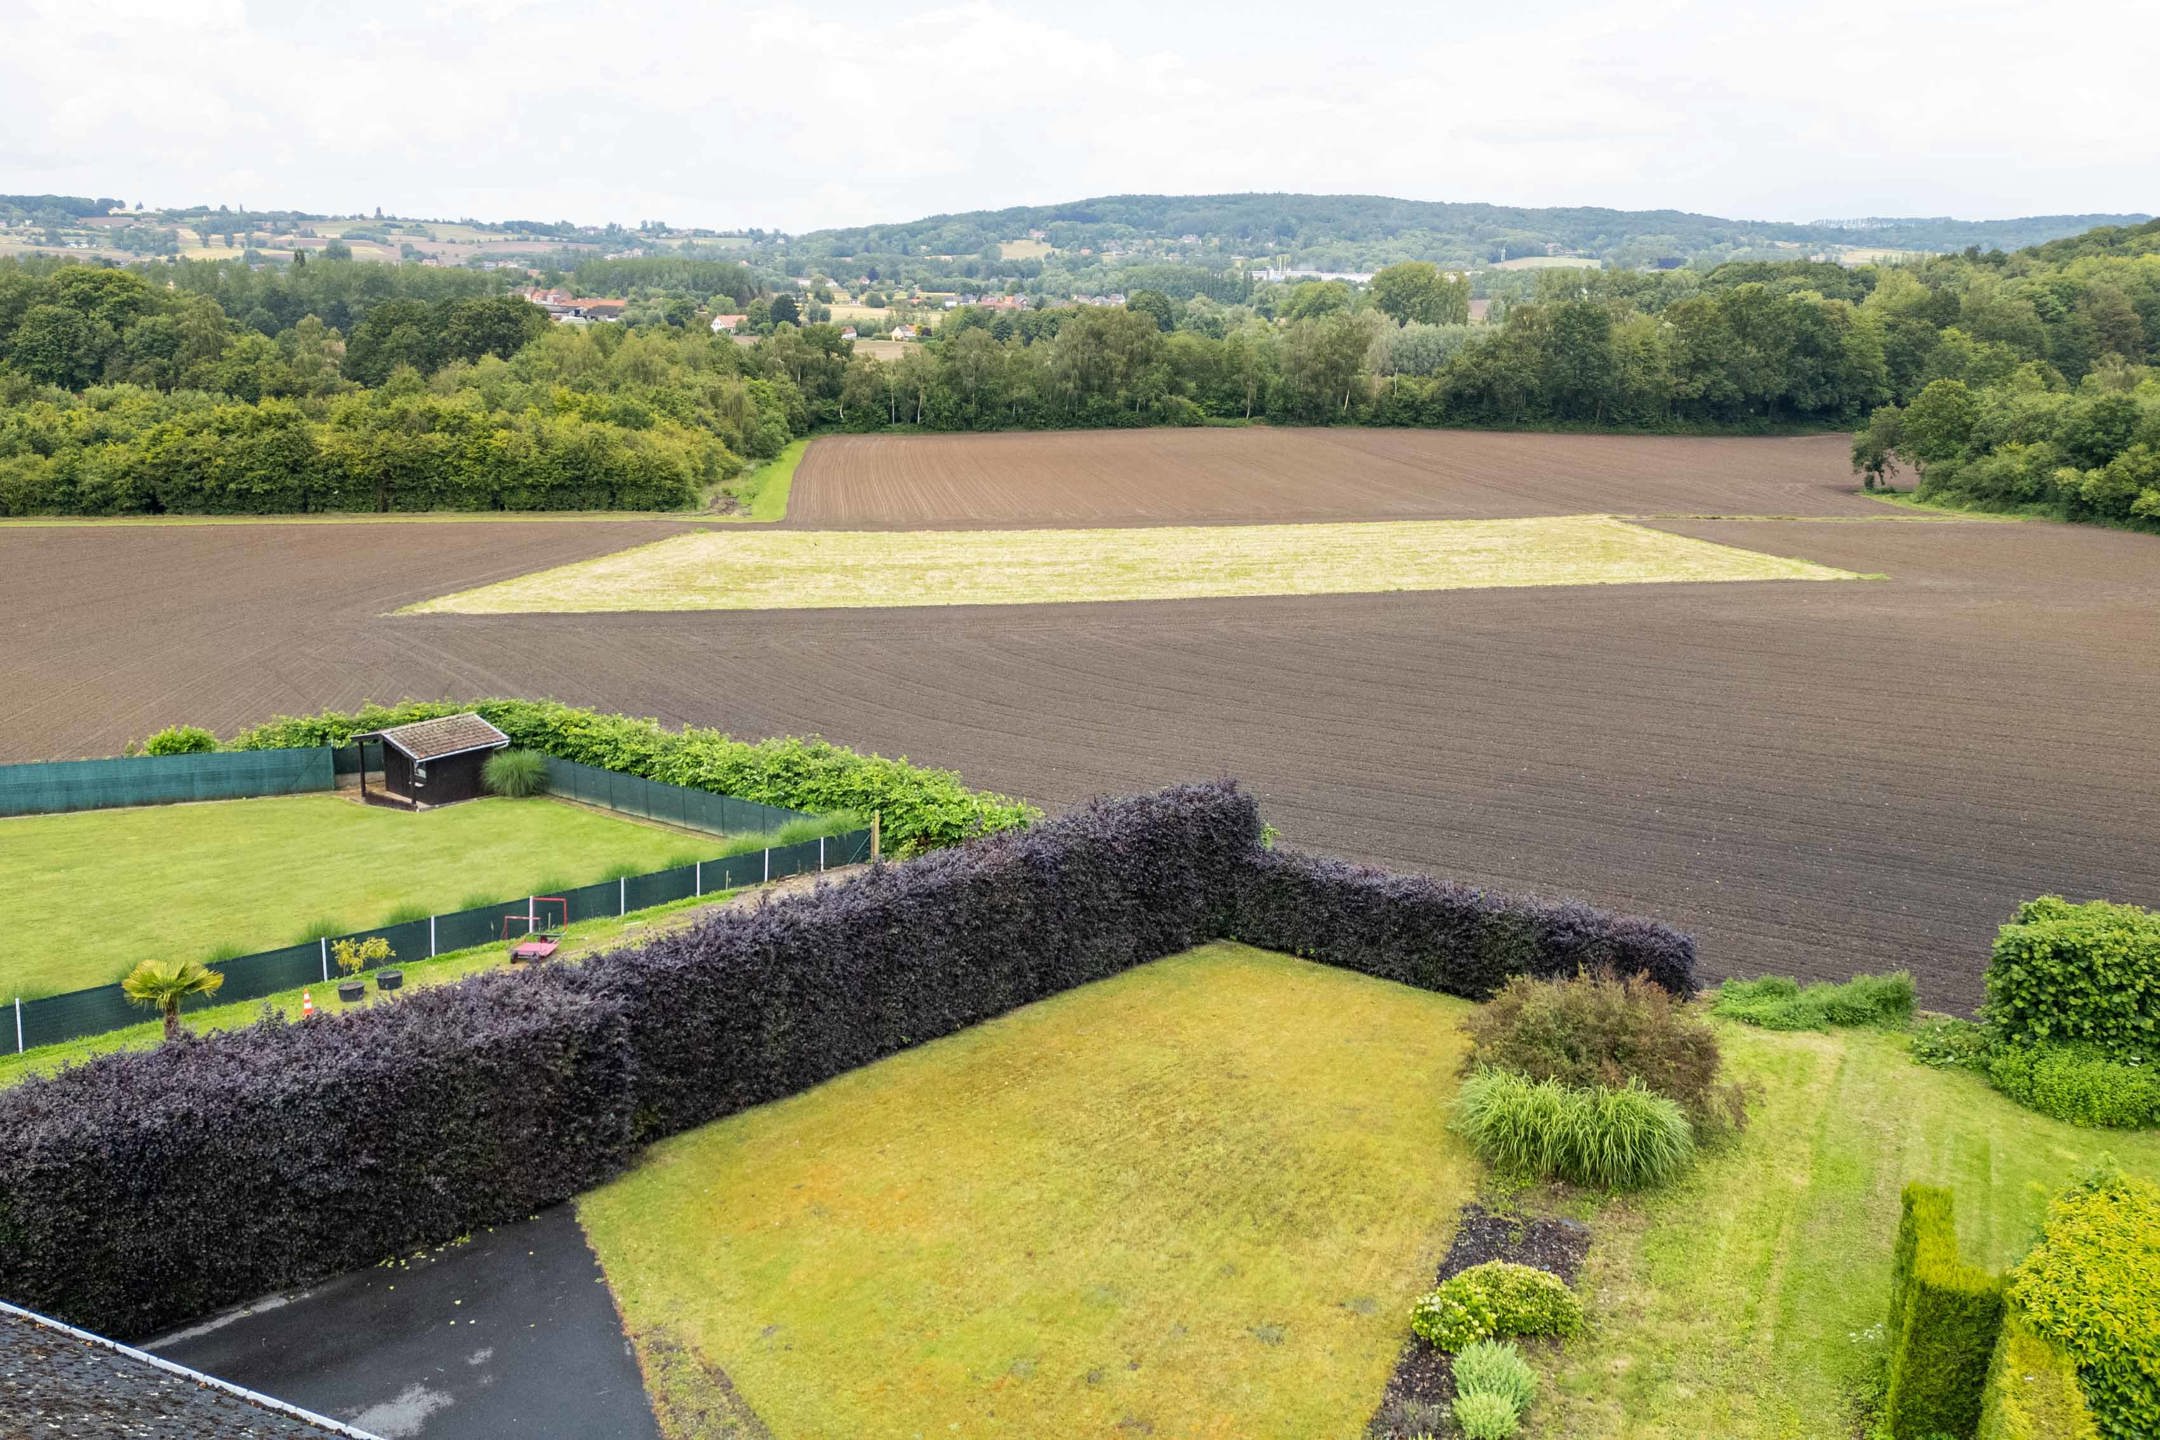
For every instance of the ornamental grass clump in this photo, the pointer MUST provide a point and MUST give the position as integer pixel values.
(1496, 1367)
(515, 773)
(1624, 1139)
(1609, 1031)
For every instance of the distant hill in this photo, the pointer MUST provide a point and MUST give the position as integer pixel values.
(1360, 232)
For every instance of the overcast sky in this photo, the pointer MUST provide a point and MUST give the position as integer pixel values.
(796, 116)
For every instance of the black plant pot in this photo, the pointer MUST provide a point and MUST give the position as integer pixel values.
(351, 990)
(389, 979)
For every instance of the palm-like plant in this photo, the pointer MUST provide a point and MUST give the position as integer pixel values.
(163, 984)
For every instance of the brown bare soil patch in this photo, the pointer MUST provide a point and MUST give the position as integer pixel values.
(1817, 779)
(1247, 476)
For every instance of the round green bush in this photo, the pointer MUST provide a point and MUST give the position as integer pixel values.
(1624, 1139)
(1496, 1298)
(180, 740)
(1486, 1416)
(515, 773)
(2092, 1286)
(1495, 1367)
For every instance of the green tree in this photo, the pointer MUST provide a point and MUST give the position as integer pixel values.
(1938, 425)
(162, 985)
(1156, 306)
(1416, 292)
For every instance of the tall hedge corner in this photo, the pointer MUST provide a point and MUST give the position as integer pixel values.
(2032, 1390)
(1945, 1319)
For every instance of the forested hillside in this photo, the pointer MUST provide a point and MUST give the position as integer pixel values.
(1358, 233)
(214, 387)
(2005, 380)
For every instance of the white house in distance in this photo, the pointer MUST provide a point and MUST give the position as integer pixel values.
(728, 324)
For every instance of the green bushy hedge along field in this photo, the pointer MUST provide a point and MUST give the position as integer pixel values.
(2070, 974)
(921, 808)
(1776, 1002)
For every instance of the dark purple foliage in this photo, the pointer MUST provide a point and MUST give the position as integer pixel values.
(142, 1190)
(148, 1188)
(1438, 935)
(756, 1004)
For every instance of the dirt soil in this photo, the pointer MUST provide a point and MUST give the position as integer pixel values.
(1262, 474)
(1425, 1376)
(1816, 779)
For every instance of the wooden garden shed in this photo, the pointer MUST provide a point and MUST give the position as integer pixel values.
(430, 762)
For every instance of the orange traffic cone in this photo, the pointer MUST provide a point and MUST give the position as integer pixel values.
(307, 1005)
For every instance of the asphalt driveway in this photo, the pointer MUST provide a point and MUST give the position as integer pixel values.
(510, 1333)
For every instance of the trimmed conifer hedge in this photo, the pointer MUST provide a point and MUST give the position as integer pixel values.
(142, 1190)
(1438, 935)
(147, 1188)
(2032, 1389)
(1945, 1316)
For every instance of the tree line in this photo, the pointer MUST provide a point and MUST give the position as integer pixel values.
(2021, 380)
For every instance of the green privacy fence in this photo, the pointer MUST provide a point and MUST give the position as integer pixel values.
(52, 786)
(669, 804)
(251, 977)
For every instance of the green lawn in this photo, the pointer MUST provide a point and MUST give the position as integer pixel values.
(1194, 1200)
(84, 896)
(1747, 1302)
(743, 569)
(579, 940)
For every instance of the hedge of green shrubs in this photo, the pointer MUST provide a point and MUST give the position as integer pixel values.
(2032, 1389)
(2092, 1287)
(1777, 1002)
(2072, 1015)
(1945, 1316)
(921, 809)
(2078, 974)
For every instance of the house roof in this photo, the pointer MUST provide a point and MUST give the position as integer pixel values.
(451, 735)
(57, 1380)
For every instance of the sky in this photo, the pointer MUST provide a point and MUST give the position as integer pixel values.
(795, 117)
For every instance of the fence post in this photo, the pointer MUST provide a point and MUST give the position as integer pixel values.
(431, 937)
(874, 814)
(821, 852)
(18, 1025)
(531, 904)
(768, 864)
(325, 943)
(699, 880)
(622, 895)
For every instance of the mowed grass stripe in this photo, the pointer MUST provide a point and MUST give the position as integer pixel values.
(817, 570)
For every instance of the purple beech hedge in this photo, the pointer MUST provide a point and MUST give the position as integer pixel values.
(1438, 935)
(143, 1190)
(147, 1188)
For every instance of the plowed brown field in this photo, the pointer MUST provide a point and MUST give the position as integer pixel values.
(1245, 476)
(1816, 778)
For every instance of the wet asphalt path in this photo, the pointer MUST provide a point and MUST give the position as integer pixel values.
(510, 1334)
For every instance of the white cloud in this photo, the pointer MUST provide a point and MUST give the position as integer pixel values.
(796, 115)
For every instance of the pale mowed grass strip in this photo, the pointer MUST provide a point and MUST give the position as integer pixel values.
(815, 570)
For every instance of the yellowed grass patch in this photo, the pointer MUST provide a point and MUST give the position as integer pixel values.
(815, 570)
